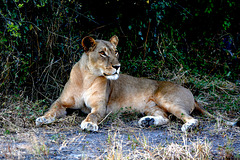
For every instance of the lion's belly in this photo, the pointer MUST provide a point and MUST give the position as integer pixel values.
(138, 103)
(131, 93)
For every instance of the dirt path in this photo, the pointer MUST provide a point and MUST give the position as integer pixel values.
(122, 140)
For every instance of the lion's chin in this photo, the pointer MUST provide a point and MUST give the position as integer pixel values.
(112, 77)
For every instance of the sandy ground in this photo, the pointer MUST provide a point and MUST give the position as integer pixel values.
(117, 140)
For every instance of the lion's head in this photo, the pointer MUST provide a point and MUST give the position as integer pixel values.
(102, 57)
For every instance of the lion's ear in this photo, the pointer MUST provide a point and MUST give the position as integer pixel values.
(88, 43)
(114, 40)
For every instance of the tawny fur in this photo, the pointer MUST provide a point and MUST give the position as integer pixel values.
(96, 87)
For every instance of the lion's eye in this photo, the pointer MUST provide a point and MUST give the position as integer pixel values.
(103, 54)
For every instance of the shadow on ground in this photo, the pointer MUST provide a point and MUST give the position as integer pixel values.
(117, 139)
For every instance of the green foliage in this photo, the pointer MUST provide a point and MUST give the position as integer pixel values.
(35, 45)
(40, 40)
(13, 29)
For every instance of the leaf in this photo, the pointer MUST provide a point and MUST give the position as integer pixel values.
(30, 27)
(4, 40)
(20, 5)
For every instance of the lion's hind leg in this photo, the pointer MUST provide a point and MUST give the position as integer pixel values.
(190, 123)
(155, 117)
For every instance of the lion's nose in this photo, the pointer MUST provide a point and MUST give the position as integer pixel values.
(116, 66)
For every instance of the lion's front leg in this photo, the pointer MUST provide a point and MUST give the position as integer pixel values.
(57, 110)
(90, 123)
(98, 112)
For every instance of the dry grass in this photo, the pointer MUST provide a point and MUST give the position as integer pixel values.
(187, 149)
(120, 136)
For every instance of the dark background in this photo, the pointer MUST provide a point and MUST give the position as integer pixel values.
(40, 40)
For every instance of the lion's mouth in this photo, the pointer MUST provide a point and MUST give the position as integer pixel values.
(111, 76)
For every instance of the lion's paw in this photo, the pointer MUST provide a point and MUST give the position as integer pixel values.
(42, 120)
(152, 120)
(190, 125)
(146, 122)
(89, 126)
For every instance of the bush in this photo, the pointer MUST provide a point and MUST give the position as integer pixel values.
(40, 40)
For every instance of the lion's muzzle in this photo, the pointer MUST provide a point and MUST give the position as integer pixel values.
(115, 74)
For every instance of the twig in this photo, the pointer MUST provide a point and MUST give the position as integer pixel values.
(11, 123)
(145, 44)
(57, 34)
(105, 118)
(98, 28)
(19, 21)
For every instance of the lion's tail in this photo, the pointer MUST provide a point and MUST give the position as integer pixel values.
(200, 109)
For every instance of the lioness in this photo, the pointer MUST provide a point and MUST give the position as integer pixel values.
(96, 87)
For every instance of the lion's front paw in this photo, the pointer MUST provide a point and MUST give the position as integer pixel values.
(89, 126)
(191, 125)
(42, 120)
